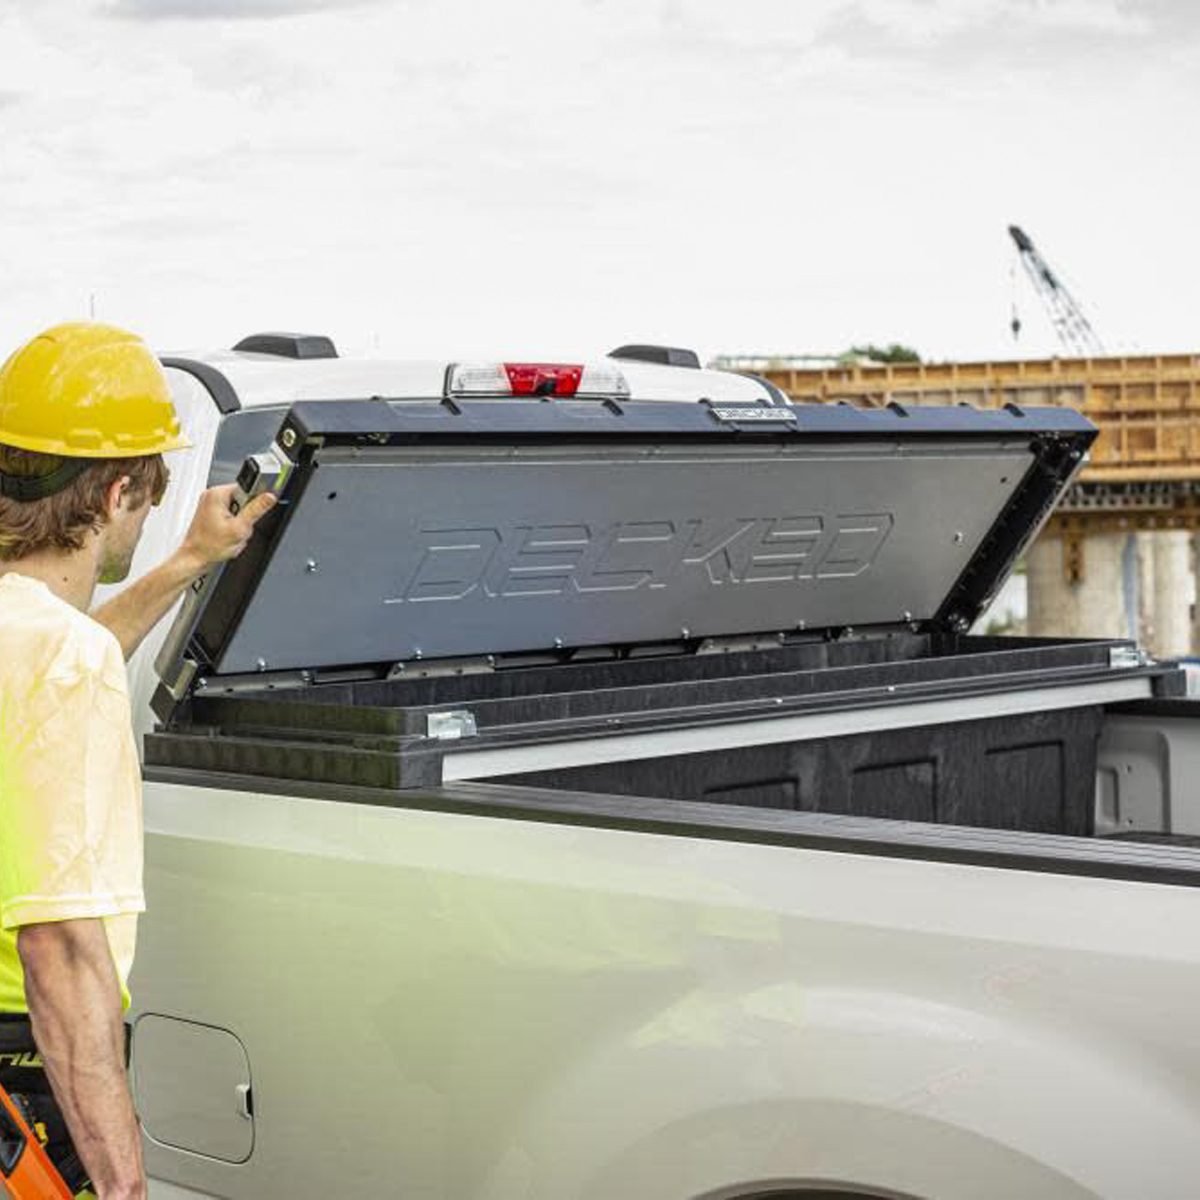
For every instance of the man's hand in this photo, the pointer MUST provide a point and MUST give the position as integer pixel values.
(216, 535)
(75, 1008)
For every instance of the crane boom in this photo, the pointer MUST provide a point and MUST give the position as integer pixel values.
(1074, 330)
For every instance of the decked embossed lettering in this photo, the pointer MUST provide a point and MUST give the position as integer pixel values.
(552, 560)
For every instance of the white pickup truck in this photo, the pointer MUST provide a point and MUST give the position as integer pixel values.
(586, 787)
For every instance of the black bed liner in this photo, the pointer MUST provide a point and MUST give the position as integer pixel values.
(1031, 770)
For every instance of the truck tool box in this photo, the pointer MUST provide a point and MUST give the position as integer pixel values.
(739, 604)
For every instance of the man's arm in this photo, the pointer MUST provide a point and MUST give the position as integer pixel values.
(75, 1008)
(216, 535)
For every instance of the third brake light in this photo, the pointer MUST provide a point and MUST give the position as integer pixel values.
(550, 380)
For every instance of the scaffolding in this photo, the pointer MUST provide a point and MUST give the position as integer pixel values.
(1144, 469)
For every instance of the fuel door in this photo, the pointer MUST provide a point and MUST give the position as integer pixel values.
(191, 1083)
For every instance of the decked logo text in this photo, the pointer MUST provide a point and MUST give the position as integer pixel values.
(549, 560)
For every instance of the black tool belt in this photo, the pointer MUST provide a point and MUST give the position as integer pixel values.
(21, 1066)
(18, 1050)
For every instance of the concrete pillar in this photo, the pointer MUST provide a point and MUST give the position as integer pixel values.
(1172, 596)
(1098, 605)
(1145, 583)
(1195, 647)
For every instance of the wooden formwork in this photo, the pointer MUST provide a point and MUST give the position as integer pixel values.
(1147, 407)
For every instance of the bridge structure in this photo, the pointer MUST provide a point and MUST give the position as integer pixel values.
(1117, 555)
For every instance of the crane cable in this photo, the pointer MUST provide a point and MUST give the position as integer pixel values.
(1015, 320)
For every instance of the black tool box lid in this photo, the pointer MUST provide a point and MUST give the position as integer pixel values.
(423, 531)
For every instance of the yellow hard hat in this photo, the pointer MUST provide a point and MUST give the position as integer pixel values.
(84, 390)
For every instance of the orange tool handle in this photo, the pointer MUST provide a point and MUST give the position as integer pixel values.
(26, 1172)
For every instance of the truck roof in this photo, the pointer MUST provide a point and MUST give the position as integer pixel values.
(256, 379)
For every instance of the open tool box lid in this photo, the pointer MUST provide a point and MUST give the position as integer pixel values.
(447, 589)
(417, 532)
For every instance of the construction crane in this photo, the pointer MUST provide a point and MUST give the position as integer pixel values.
(1074, 330)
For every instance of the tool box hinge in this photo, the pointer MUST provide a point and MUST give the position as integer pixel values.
(443, 668)
(450, 726)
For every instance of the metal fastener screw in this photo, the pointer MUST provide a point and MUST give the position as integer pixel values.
(558, 643)
(261, 664)
(311, 566)
(958, 537)
(907, 615)
(685, 632)
(287, 439)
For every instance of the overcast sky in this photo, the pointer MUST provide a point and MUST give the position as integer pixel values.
(554, 177)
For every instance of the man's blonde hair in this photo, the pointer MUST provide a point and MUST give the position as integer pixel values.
(63, 521)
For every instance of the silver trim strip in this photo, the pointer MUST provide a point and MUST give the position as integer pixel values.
(622, 747)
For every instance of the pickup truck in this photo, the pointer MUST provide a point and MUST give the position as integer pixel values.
(586, 786)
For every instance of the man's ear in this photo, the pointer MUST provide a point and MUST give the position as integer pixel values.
(115, 495)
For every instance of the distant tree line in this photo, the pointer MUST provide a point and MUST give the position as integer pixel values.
(893, 353)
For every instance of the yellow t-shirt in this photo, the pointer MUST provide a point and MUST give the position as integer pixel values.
(70, 784)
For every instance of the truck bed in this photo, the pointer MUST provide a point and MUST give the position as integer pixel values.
(543, 994)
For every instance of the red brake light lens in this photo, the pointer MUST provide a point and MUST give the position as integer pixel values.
(543, 379)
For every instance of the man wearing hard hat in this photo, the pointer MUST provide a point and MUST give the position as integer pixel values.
(85, 420)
